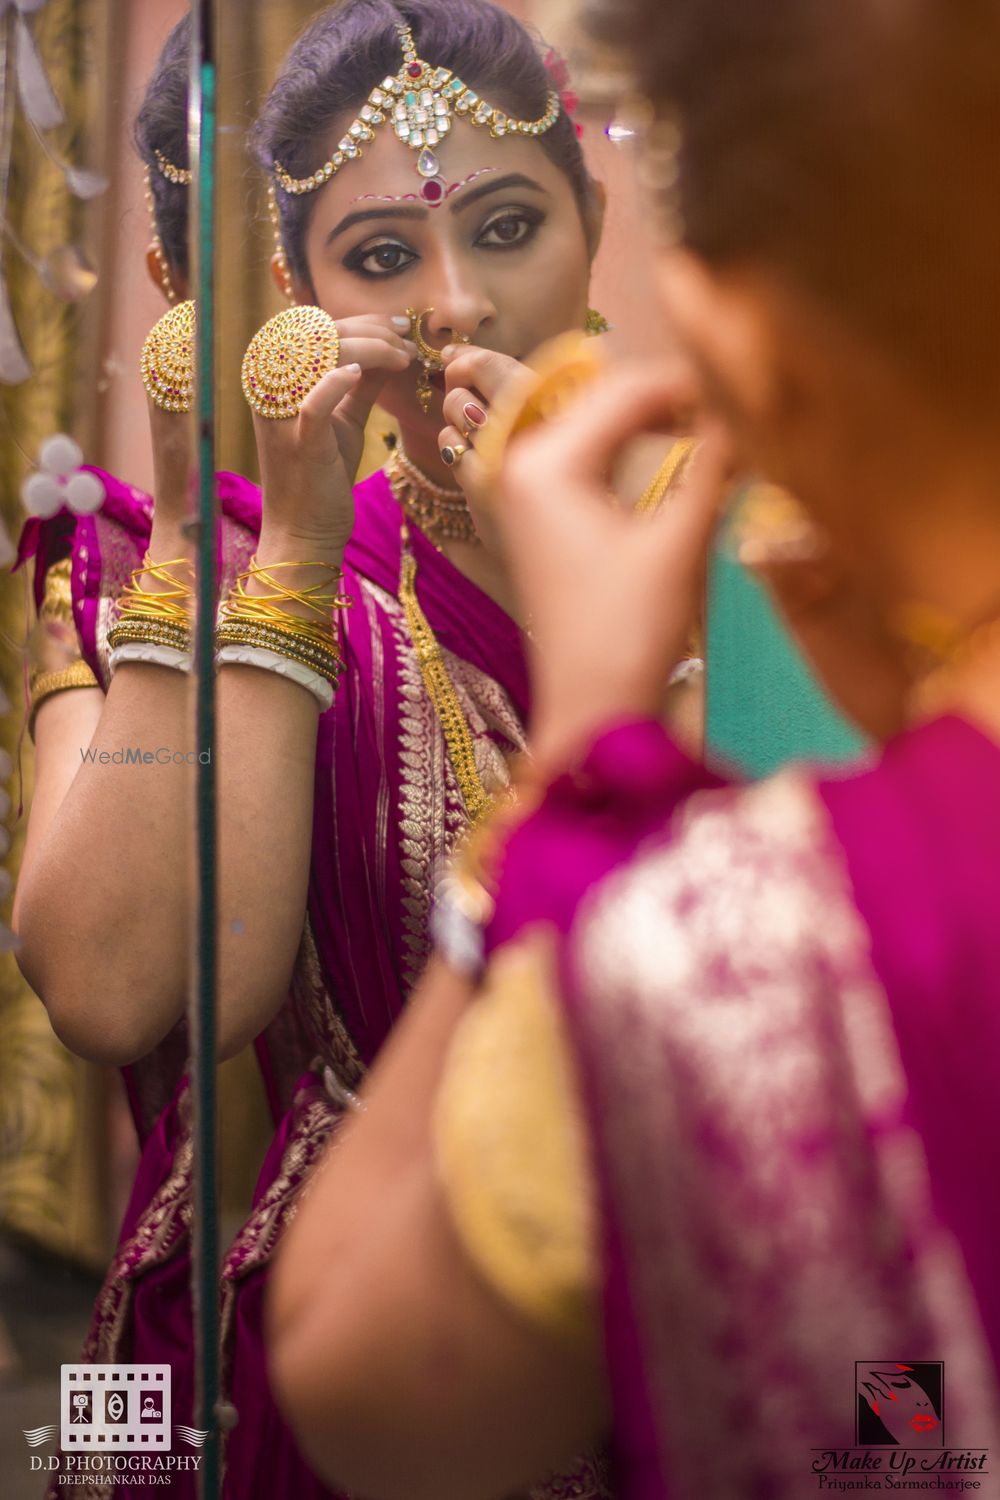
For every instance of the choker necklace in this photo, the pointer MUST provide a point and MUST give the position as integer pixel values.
(441, 514)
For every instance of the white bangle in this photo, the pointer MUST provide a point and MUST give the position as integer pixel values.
(163, 656)
(273, 661)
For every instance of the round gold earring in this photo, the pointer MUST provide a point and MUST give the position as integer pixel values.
(167, 362)
(287, 357)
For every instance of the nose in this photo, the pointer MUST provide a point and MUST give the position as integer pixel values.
(462, 304)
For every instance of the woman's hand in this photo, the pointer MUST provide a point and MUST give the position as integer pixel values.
(611, 596)
(308, 463)
(473, 379)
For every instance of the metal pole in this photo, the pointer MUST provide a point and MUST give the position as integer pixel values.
(205, 1249)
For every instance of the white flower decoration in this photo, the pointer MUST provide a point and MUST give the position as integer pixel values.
(59, 480)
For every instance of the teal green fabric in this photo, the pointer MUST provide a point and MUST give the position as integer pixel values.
(764, 705)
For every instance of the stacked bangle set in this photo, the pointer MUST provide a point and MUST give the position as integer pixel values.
(252, 629)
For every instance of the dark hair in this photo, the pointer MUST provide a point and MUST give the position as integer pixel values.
(162, 125)
(349, 48)
(849, 147)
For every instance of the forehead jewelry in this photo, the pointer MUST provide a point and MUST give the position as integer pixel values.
(421, 102)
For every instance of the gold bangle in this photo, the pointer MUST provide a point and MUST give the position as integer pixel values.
(325, 660)
(44, 684)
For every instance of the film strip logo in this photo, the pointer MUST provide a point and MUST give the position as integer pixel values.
(115, 1408)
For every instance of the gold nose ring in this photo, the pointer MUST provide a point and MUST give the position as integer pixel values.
(430, 357)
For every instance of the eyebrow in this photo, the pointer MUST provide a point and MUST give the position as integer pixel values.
(417, 211)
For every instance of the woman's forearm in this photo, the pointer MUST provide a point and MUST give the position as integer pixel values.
(105, 908)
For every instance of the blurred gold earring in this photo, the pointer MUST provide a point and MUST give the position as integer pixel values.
(596, 322)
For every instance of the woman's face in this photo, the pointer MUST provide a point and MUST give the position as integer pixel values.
(503, 259)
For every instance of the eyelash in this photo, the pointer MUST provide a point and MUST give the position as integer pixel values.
(530, 217)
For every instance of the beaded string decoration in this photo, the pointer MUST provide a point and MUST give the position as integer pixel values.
(180, 177)
(420, 102)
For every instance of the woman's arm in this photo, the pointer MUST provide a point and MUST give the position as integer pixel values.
(405, 1375)
(104, 905)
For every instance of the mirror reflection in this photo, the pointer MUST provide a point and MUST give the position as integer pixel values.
(381, 294)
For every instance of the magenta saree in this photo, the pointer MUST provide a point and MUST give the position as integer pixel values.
(784, 1002)
(387, 810)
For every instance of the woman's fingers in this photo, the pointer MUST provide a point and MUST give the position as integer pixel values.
(554, 468)
(482, 371)
(465, 410)
(374, 326)
(372, 352)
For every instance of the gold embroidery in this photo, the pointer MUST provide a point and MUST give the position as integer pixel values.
(57, 603)
(440, 690)
(320, 1017)
(511, 1146)
(751, 1106)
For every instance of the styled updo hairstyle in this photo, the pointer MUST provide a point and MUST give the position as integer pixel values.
(162, 125)
(850, 148)
(350, 47)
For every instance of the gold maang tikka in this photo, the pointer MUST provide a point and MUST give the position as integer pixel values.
(421, 102)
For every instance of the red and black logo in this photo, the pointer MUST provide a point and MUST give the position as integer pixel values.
(900, 1405)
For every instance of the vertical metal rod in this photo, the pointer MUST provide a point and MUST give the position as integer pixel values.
(205, 1248)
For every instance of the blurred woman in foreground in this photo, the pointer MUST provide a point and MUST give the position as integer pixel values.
(739, 1044)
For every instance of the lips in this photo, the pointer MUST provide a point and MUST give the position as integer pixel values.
(923, 1422)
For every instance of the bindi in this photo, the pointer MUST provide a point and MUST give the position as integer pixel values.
(433, 191)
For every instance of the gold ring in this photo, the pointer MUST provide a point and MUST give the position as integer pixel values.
(453, 454)
(167, 363)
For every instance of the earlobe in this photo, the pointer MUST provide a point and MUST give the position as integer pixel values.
(282, 276)
(159, 272)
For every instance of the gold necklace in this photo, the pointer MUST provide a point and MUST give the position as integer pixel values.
(442, 514)
(441, 690)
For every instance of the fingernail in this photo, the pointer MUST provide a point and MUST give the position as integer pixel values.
(474, 414)
(352, 369)
(449, 350)
(399, 322)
